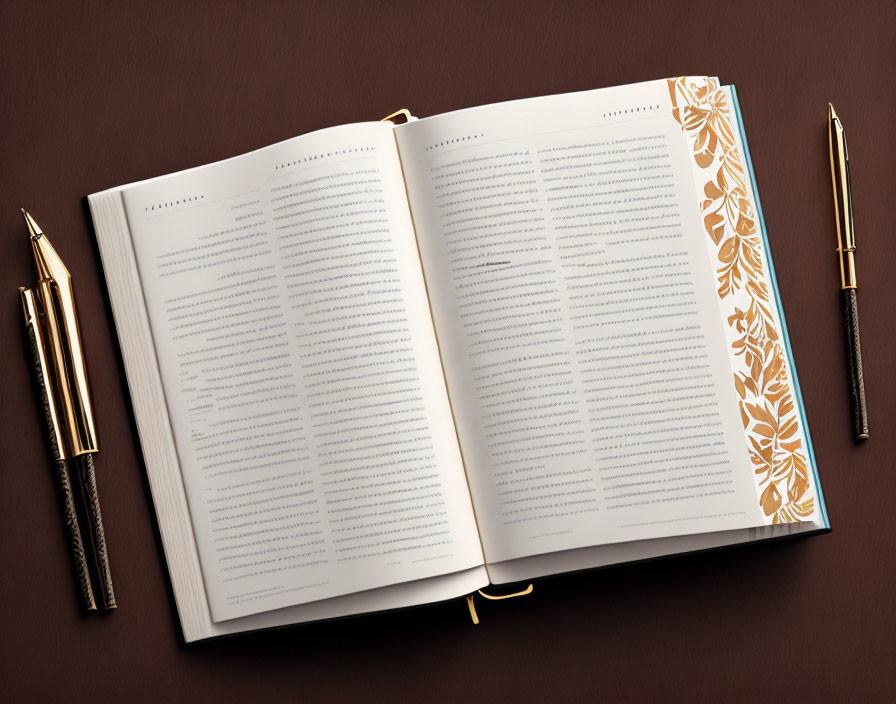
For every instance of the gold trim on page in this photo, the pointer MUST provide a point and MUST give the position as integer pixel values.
(764, 388)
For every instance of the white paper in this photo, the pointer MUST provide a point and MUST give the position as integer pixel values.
(301, 372)
(580, 333)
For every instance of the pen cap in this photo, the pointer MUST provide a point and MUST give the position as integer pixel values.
(843, 211)
(41, 370)
(58, 321)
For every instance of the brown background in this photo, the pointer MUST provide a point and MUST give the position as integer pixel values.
(99, 94)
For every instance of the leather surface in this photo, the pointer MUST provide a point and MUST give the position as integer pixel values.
(93, 95)
(854, 355)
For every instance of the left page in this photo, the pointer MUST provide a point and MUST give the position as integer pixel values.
(301, 373)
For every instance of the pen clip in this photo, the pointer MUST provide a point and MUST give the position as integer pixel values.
(850, 235)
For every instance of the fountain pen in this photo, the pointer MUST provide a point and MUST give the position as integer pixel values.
(54, 338)
(846, 247)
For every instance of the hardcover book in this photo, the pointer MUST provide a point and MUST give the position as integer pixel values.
(382, 365)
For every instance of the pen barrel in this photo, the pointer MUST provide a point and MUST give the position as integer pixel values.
(63, 481)
(87, 477)
(854, 354)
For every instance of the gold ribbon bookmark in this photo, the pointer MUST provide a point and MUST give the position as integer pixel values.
(492, 597)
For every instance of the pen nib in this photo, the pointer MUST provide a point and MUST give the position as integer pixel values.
(33, 228)
(832, 114)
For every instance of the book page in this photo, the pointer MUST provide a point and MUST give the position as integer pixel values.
(575, 307)
(301, 373)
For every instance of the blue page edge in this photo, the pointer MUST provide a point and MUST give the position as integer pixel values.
(786, 336)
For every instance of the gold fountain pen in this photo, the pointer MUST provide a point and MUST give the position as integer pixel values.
(846, 247)
(54, 337)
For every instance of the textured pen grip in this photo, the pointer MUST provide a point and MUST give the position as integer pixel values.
(69, 513)
(76, 545)
(97, 534)
(854, 351)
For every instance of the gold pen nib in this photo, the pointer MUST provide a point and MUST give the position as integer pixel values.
(49, 265)
(832, 114)
(33, 228)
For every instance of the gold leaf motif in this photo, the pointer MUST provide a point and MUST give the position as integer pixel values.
(770, 499)
(766, 405)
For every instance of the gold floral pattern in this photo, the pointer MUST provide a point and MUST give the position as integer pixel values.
(762, 381)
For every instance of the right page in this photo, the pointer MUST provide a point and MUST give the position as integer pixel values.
(593, 356)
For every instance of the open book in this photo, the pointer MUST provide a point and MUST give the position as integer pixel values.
(383, 365)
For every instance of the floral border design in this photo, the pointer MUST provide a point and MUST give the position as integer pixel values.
(770, 418)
